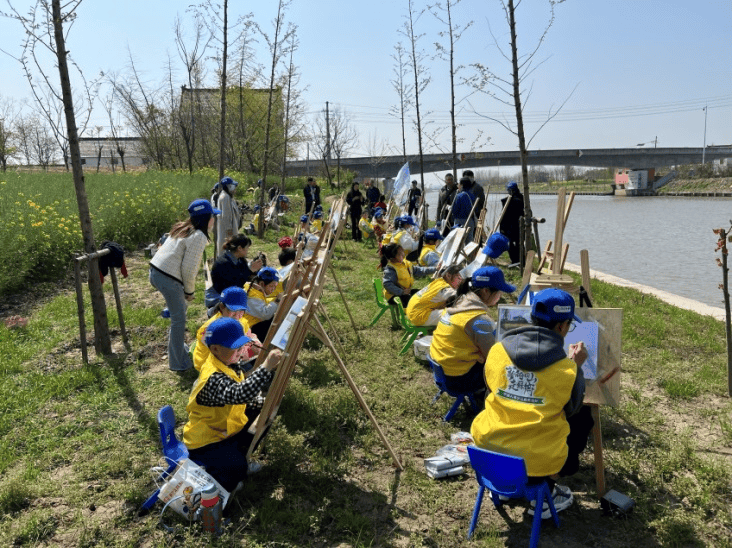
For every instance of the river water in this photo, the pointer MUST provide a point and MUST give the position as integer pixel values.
(662, 242)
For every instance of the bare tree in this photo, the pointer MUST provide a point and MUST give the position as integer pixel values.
(443, 13)
(404, 90)
(9, 113)
(276, 50)
(45, 25)
(24, 136)
(99, 145)
(192, 57)
(117, 143)
(421, 76)
(294, 109)
(49, 101)
(511, 92)
(143, 109)
(335, 132)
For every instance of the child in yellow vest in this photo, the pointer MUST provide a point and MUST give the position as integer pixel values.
(429, 255)
(216, 434)
(365, 226)
(261, 306)
(379, 224)
(465, 332)
(426, 306)
(233, 303)
(399, 274)
(534, 409)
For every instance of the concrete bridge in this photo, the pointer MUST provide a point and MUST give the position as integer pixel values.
(633, 158)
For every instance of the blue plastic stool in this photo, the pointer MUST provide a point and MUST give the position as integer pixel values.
(506, 475)
(174, 450)
(460, 398)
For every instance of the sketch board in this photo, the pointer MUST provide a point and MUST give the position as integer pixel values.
(600, 330)
(283, 332)
(449, 247)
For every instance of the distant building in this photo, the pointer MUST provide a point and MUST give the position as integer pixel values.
(131, 146)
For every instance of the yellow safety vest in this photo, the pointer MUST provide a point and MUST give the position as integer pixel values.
(425, 249)
(524, 412)
(451, 347)
(212, 424)
(421, 306)
(254, 293)
(405, 277)
(366, 227)
(201, 352)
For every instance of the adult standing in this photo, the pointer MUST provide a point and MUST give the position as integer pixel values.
(226, 225)
(173, 272)
(535, 409)
(355, 200)
(461, 210)
(312, 195)
(445, 199)
(510, 225)
(414, 198)
(477, 191)
(372, 194)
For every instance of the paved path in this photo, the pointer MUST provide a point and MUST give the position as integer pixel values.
(670, 298)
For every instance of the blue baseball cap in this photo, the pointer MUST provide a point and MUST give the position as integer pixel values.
(257, 207)
(318, 214)
(228, 181)
(235, 298)
(433, 234)
(226, 332)
(554, 305)
(405, 220)
(511, 186)
(268, 274)
(496, 245)
(202, 207)
(491, 277)
(378, 212)
(304, 219)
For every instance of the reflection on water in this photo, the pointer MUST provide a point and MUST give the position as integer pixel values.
(663, 242)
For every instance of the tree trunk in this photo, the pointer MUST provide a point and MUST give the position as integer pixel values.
(520, 131)
(102, 343)
(222, 132)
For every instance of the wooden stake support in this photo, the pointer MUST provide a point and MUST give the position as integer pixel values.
(80, 301)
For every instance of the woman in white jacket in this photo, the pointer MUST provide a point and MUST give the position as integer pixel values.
(173, 272)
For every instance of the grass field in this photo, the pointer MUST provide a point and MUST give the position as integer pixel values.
(77, 443)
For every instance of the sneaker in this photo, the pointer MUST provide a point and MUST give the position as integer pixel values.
(254, 467)
(563, 499)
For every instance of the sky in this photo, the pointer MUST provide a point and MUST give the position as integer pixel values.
(627, 72)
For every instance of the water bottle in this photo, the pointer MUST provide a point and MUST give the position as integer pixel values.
(165, 313)
(211, 509)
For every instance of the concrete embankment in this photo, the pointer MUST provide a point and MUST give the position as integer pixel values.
(670, 298)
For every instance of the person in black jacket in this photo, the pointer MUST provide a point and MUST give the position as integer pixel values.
(355, 200)
(415, 195)
(312, 195)
(231, 268)
(510, 224)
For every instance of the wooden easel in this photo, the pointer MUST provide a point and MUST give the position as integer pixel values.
(607, 387)
(306, 280)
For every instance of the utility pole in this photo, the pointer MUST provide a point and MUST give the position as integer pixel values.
(704, 150)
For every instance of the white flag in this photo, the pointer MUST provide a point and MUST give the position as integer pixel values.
(401, 186)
